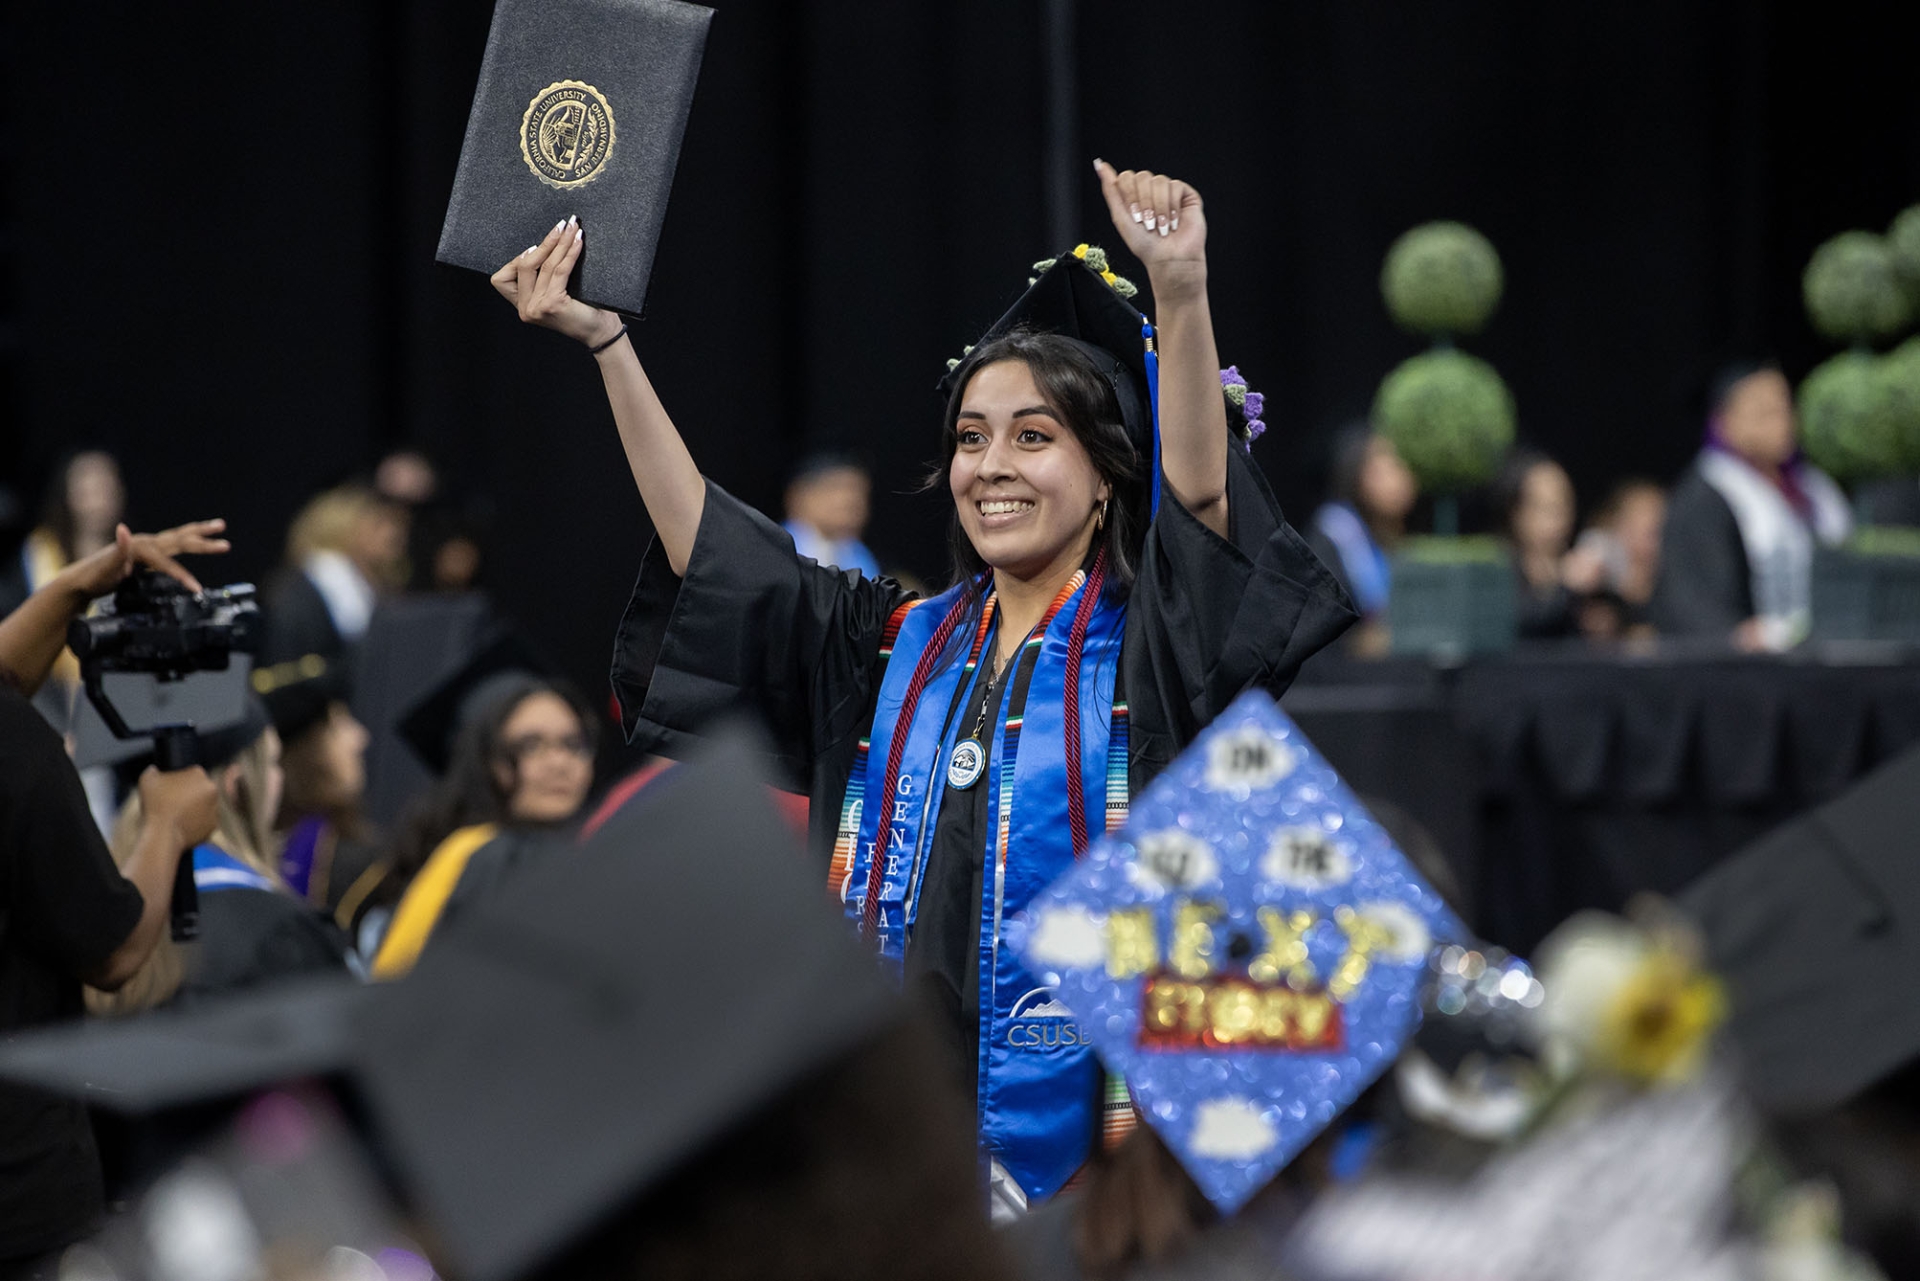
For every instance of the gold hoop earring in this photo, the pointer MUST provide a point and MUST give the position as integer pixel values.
(1100, 521)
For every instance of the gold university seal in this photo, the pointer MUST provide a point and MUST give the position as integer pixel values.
(567, 134)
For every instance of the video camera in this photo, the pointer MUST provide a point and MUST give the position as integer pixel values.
(155, 626)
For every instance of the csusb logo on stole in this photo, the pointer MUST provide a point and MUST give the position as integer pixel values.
(566, 135)
(1041, 1022)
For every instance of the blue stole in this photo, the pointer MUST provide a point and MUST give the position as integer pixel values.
(1368, 570)
(1039, 1096)
(215, 869)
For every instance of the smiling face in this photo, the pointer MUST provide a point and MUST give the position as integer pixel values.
(1024, 488)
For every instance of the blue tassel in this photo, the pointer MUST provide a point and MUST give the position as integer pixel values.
(1153, 398)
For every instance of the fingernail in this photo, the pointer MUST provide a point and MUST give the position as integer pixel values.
(560, 224)
(572, 219)
(530, 249)
(1164, 229)
(1176, 222)
(1149, 220)
(1135, 210)
(577, 235)
(1097, 162)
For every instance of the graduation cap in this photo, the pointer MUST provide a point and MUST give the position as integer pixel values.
(299, 691)
(1249, 951)
(560, 1049)
(213, 1051)
(580, 110)
(500, 668)
(614, 1048)
(1811, 928)
(1077, 297)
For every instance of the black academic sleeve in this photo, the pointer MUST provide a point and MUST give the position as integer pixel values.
(1213, 617)
(1705, 586)
(752, 627)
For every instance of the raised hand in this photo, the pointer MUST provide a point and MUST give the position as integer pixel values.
(535, 282)
(1162, 221)
(100, 573)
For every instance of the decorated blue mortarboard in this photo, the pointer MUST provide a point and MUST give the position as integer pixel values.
(1248, 951)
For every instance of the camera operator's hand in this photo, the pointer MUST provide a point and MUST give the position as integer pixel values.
(184, 800)
(32, 636)
(100, 573)
(178, 811)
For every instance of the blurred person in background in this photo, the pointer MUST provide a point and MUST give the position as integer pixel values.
(324, 843)
(1536, 504)
(84, 501)
(1624, 535)
(520, 769)
(1736, 558)
(443, 547)
(1355, 531)
(344, 549)
(253, 928)
(827, 506)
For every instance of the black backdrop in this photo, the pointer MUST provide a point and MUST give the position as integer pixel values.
(221, 219)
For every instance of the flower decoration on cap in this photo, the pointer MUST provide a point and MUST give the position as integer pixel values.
(1095, 257)
(1628, 998)
(1249, 952)
(1249, 402)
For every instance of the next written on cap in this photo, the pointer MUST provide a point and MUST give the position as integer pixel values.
(1248, 951)
(579, 111)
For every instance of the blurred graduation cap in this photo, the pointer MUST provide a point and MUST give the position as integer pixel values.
(497, 669)
(580, 110)
(209, 701)
(298, 691)
(1249, 951)
(1816, 929)
(614, 1048)
(180, 1058)
(559, 1049)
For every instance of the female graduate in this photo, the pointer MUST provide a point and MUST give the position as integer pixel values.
(1116, 587)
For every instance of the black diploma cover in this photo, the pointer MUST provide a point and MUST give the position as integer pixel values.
(580, 110)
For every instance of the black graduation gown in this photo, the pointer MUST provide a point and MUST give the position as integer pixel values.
(250, 937)
(500, 860)
(1706, 585)
(296, 620)
(754, 627)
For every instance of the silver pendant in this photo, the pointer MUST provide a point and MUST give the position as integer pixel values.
(967, 764)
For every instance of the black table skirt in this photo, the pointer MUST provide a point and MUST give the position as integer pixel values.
(1561, 778)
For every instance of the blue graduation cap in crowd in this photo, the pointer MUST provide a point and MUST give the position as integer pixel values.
(1248, 951)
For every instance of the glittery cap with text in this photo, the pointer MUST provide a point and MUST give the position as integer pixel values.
(1247, 951)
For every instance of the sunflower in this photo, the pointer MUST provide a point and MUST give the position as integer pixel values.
(1658, 1026)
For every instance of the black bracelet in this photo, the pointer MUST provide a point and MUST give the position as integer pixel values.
(611, 341)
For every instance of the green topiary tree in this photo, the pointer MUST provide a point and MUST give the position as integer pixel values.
(1442, 279)
(1901, 371)
(1850, 419)
(1449, 415)
(1853, 290)
(1903, 239)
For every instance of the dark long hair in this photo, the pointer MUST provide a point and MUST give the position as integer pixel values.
(1086, 406)
(469, 792)
(862, 1171)
(56, 504)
